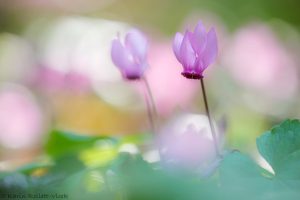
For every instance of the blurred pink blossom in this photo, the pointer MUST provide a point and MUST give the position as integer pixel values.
(186, 142)
(21, 120)
(258, 60)
(188, 148)
(169, 89)
(53, 80)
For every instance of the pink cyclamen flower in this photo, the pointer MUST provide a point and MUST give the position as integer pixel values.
(195, 50)
(131, 56)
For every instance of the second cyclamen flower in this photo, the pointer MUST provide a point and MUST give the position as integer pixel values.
(195, 50)
(131, 56)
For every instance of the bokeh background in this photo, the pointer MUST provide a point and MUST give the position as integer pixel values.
(56, 70)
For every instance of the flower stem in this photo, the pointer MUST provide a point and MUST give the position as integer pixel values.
(213, 132)
(152, 112)
(149, 113)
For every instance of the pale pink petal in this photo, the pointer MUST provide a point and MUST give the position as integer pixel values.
(137, 44)
(177, 44)
(137, 70)
(210, 52)
(187, 53)
(120, 56)
(199, 66)
(198, 38)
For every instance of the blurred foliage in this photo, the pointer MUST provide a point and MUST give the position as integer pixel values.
(165, 15)
(61, 143)
(129, 176)
(233, 12)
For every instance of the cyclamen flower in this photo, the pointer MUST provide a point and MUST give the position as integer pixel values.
(195, 50)
(131, 56)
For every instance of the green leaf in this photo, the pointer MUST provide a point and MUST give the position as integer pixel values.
(137, 179)
(237, 165)
(240, 176)
(31, 167)
(281, 148)
(61, 143)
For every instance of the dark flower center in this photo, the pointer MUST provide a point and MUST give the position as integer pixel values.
(133, 77)
(192, 75)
